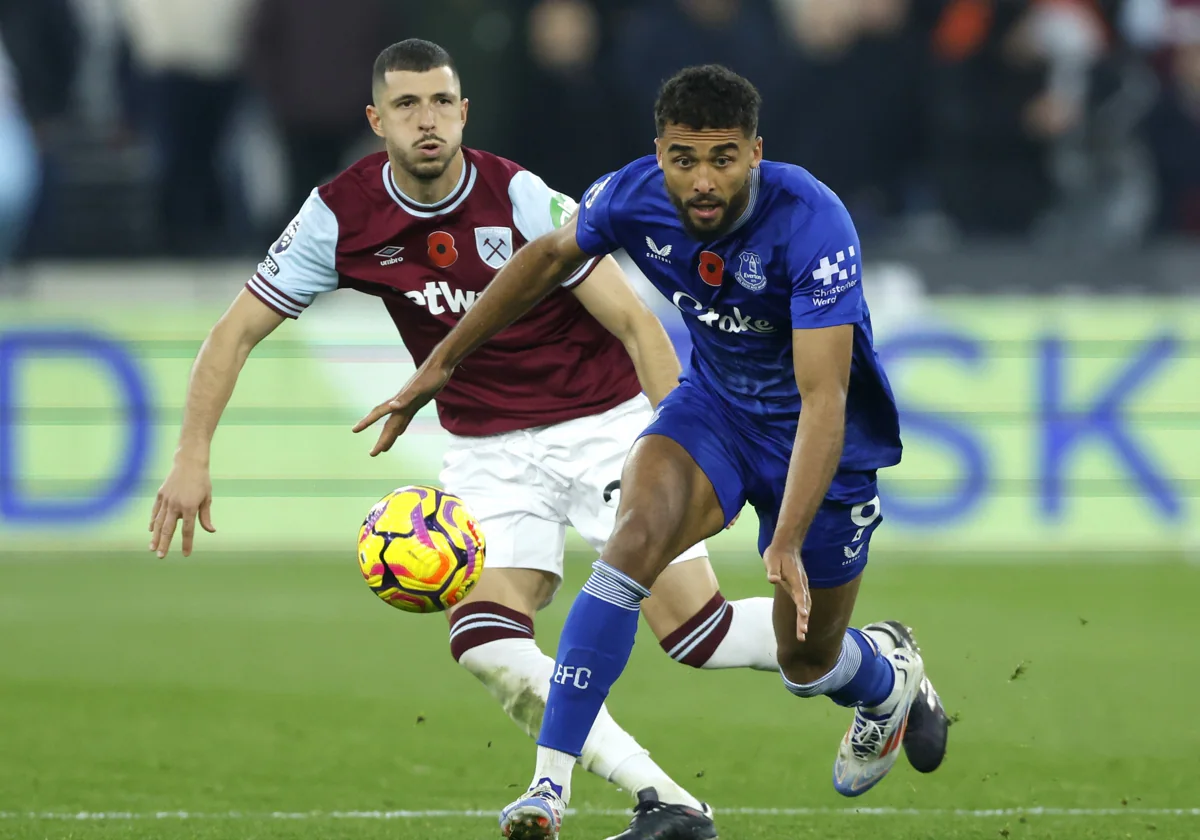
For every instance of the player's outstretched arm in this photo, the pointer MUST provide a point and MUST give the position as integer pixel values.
(614, 303)
(822, 361)
(533, 272)
(187, 491)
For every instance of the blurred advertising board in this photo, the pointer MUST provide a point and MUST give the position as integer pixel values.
(1031, 425)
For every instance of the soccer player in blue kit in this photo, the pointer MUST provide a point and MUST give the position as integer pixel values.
(783, 405)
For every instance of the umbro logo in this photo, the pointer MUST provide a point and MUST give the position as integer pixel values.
(390, 254)
(662, 254)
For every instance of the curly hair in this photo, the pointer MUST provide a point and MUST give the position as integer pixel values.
(708, 96)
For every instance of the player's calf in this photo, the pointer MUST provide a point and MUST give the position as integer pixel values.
(495, 643)
(696, 626)
(724, 634)
(857, 674)
(835, 660)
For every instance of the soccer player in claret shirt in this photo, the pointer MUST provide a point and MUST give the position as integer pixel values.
(541, 418)
(783, 405)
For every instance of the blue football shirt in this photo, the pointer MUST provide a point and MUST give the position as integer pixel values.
(792, 260)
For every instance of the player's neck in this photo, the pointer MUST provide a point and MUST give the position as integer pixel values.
(429, 192)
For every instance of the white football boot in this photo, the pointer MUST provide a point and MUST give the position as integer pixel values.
(928, 724)
(537, 815)
(872, 743)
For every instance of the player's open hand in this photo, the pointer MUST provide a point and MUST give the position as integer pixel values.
(785, 569)
(423, 387)
(185, 495)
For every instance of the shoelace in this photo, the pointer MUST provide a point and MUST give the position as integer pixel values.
(867, 740)
(648, 807)
(645, 808)
(544, 793)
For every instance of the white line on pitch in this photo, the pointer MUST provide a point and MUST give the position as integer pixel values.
(606, 812)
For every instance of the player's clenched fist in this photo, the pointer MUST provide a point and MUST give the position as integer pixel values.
(786, 570)
(186, 494)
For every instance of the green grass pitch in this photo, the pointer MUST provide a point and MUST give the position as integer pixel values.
(272, 696)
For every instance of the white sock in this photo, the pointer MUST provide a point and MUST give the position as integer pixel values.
(750, 642)
(555, 766)
(639, 772)
(518, 674)
(726, 634)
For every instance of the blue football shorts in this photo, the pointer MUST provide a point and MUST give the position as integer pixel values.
(746, 458)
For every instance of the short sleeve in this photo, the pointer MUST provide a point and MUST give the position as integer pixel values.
(594, 231)
(825, 260)
(538, 210)
(302, 263)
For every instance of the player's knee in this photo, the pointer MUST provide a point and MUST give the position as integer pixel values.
(638, 548)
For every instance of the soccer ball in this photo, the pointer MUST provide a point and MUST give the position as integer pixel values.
(420, 549)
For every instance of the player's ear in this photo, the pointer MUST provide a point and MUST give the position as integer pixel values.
(375, 120)
(658, 151)
(758, 152)
(465, 105)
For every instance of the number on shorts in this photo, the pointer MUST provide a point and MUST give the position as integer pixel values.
(860, 516)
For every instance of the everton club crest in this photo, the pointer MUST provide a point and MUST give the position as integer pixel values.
(750, 271)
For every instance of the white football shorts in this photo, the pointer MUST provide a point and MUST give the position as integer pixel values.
(527, 486)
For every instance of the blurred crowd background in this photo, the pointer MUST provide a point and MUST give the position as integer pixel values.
(185, 128)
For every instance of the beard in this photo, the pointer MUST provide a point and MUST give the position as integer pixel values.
(732, 210)
(422, 168)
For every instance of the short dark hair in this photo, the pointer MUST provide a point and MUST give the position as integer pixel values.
(414, 56)
(708, 96)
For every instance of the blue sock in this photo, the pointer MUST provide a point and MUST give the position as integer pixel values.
(592, 652)
(862, 676)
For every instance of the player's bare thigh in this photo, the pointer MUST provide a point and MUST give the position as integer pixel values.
(808, 661)
(667, 505)
(523, 590)
(681, 591)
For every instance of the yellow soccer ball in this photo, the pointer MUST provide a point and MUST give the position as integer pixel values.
(420, 549)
